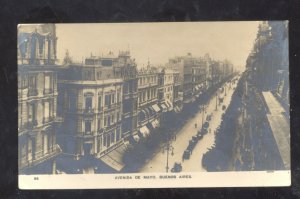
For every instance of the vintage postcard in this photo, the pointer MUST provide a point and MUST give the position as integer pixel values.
(153, 105)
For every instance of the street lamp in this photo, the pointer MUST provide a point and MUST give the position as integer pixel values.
(203, 109)
(168, 148)
(217, 101)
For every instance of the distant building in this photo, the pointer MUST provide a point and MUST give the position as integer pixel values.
(37, 99)
(165, 90)
(199, 76)
(184, 66)
(148, 108)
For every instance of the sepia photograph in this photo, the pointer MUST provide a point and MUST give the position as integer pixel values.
(144, 105)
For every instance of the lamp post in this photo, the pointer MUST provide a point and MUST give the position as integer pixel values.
(203, 109)
(217, 100)
(168, 148)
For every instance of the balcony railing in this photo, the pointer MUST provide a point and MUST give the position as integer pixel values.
(48, 91)
(86, 134)
(87, 111)
(39, 157)
(112, 106)
(32, 124)
(48, 119)
(32, 92)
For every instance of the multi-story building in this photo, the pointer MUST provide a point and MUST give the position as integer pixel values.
(165, 90)
(184, 65)
(177, 94)
(199, 76)
(91, 101)
(125, 68)
(148, 108)
(37, 99)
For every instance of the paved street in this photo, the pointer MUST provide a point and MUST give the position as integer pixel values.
(158, 162)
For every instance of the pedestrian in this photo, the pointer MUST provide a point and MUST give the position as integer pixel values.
(195, 125)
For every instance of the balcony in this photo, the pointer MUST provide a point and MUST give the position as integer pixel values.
(112, 106)
(32, 124)
(32, 92)
(40, 157)
(48, 91)
(86, 134)
(48, 119)
(86, 111)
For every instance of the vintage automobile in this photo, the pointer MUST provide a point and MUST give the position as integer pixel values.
(191, 145)
(206, 125)
(199, 136)
(195, 138)
(177, 167)
(186, 155)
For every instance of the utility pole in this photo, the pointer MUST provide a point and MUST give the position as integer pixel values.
(217, 100)
(168, 148)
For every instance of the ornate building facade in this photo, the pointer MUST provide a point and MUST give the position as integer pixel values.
(37, 99)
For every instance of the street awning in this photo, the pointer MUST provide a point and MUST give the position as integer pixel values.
(144, 131)
(156, 108)
(176, 109)
(163, 106)
(114, 158)
(144, 112)
(151, 111)
(169, 104)
(136, 137)
(157, 122)
(154, 124)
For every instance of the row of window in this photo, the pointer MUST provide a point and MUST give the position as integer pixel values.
(108, 121)
(31, 81)
(147, 95)
(108, 139)
(147, 80)
(168, 88)
(110, 99)
(48, 110)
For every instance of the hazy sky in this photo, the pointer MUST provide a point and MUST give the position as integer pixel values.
(159, 41)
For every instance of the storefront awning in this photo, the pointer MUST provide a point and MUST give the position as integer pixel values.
(176, 109)
(144, 131)
(157, 122)
(144, 112)
(136, 137)
(156, 108)
(164, 107)
(154, 124)
(114, 158)
(169, 104)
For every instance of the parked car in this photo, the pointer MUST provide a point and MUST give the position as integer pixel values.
(186, 155)
(199, 136)
(177, 167)
(204, 131)
(206, 125)
(192, 145)
(195, 138)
